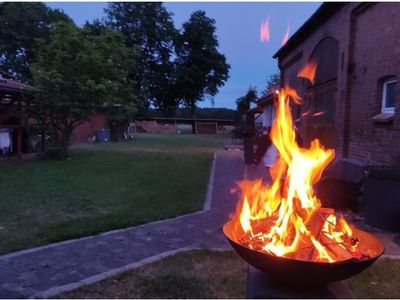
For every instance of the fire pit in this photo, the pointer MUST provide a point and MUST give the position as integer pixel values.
(282, 229)
(302, 272)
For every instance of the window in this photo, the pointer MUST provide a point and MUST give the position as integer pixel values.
(324, 106)
(388, 95)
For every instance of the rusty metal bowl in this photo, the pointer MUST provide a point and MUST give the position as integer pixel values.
(304, 273)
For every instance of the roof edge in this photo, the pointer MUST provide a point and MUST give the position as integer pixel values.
(318, 18)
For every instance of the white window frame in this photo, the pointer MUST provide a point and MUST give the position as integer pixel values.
(384, 91)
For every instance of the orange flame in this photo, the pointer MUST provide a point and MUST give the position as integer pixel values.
(264, 31)
(286, 36)
(280, 218)
(308, 71)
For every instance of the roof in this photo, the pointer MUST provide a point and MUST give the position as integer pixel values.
(11, 85)
(320, 16)
(265, 99)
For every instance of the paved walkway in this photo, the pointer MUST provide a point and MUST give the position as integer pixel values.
(48, 270)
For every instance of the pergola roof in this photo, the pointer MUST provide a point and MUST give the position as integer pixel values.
(12, 86)
(263, 101)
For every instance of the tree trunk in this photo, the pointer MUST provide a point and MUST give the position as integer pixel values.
(66, 135)
(192, 115)
(115, 128)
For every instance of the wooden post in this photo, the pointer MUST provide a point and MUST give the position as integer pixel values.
(194, 127)
(19, 142)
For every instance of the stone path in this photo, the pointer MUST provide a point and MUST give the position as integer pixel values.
(45, 271)
(49, 270)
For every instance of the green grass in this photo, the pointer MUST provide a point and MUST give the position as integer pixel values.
(382, 280)
(182, 143)
(194, 274)
(103, 187)
(208, 274)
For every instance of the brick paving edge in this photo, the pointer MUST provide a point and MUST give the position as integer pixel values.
(110, 273)
(207, 203)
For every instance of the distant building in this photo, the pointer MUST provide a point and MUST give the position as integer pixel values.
(356, 46)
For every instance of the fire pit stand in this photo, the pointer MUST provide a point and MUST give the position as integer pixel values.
(261, 285)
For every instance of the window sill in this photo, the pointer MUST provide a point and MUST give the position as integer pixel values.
(383, 118)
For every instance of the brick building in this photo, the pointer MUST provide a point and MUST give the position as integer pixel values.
(357, 48)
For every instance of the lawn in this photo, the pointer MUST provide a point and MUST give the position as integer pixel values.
(103, 187)
(207, 274)
(194, 274)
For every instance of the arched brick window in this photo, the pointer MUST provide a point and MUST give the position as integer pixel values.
(326, 54)
(321, 94)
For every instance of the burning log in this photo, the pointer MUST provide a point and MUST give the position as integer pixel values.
(338, 251)
(321, 220)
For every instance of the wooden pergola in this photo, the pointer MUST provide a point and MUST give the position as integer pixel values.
(13, 95)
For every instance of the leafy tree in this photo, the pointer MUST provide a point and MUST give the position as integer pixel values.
(21, 24)
(78, 74)
(273, 83)
(150, 27)
(201, 68)
(243, 103)
(95, 28)
(118, 114)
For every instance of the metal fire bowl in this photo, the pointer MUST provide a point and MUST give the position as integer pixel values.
(305, 273)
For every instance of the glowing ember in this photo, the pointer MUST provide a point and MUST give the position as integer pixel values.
(285, 218)
(264, 31)
(320, 113)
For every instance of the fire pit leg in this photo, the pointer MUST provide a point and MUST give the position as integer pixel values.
(261, 285)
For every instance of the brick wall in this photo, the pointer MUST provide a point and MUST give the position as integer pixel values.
(375, 36)
(376, 55)
(156, 127)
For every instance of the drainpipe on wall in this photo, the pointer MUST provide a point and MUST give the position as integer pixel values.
(355, 13)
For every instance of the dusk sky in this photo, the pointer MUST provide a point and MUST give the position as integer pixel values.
(238, 31)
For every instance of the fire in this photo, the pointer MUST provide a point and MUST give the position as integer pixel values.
(285, 218)
(308, 71)
(264, 31)
(286, 36)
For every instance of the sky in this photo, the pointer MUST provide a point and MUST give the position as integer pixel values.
(238, 32)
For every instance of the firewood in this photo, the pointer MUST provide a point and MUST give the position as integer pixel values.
(262, 225)
(304, 252)
(339, 252)
(314, 225)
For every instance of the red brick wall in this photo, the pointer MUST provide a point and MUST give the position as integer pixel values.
(376, 55)
(89, 128)
(376, 40)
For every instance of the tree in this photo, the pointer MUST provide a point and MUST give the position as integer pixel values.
(243, 103)
(273, 83)
(80, 73)
(150, 27)
(201, 68)
(21, 24)
(118, 114)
